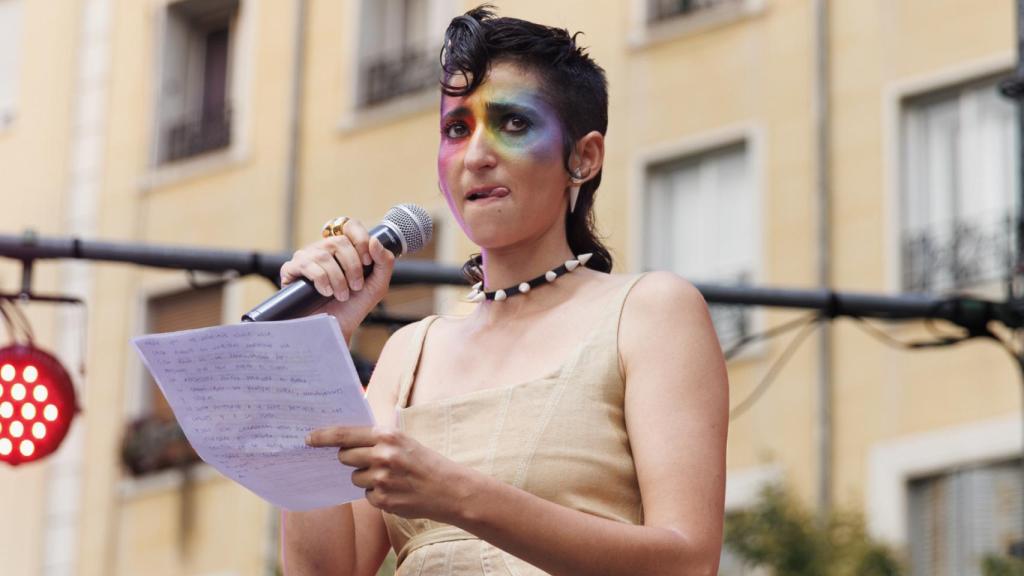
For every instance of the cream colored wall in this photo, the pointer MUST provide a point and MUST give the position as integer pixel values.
(34, 174)
(232, 200)
(883, 394)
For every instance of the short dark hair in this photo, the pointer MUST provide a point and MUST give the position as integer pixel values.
(571, 81)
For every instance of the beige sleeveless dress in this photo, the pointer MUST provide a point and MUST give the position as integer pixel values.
(561, 437)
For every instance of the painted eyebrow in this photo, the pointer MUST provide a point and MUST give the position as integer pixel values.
(505, 107)
(459, 112)
(496, 108)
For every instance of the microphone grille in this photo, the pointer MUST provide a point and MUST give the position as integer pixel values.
(414, 223)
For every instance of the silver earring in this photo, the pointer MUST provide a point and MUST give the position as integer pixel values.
(574, 190)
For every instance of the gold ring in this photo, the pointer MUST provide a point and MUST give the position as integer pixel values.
(334, 227)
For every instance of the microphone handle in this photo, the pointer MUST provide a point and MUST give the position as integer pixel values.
(299, 298)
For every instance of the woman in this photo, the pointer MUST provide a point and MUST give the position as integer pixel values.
(573, 426)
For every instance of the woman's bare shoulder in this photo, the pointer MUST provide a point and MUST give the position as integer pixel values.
(664, 304)
(661, 289)
(393, 357)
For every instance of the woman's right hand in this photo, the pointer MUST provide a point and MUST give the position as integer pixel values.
(335, 267)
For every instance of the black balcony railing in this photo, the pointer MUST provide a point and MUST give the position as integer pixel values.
(211, 131)
(664, 9)
(732, 322)
(964, 254)
(388, 77)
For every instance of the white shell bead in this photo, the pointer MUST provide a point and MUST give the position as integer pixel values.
(571, 265)
(500, 295)
(478, 285)
(480, 297)
(472, 294)
(550, 275)
(524, 288)
(584, 258)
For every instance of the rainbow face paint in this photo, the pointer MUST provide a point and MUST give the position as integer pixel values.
(515, 123)
(500, 160)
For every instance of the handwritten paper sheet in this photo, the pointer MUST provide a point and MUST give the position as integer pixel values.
(246, 396)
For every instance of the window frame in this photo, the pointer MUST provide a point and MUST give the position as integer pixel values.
(751, 136)
(355, 116)
(893, 463)
(645, 32)
(240, 57)
(916, 114)
(893, 98)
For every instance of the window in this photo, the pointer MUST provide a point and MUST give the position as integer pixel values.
(399, 48)
(10, 40)
(661, 10)
(959, 188)
(195, 108)
(198, 308)
(153, 441)
(960, 517)
(701, 224)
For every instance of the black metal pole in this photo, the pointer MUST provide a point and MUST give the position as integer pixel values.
(29, 247)
(970, 313)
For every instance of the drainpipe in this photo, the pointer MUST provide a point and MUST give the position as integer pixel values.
(294, 125)
(824, 435)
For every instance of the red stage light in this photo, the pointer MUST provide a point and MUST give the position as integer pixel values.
(37, 404)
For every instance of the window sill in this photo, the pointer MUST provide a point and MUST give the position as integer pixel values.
(357, 119)
(183, 170)
(139, 487)
(645, 34)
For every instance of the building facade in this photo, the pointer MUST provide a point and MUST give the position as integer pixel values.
(790, 143)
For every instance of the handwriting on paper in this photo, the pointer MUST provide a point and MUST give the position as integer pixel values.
(246, 396)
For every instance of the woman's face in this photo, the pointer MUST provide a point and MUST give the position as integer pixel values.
(500, 160)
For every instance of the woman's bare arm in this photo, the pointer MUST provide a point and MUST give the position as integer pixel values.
(349, 539)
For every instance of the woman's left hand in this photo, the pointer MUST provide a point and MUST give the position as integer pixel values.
(400, 475)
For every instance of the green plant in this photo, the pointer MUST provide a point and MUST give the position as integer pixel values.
(779, 534)
(994, 565)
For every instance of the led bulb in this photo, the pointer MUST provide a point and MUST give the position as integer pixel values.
(16, 429)
(18, 391)
(27, 448)
(5, 446)
(40, 393)
(28, 411)
(30, 374)
(39, 430)
(7, 372)
(50, 412)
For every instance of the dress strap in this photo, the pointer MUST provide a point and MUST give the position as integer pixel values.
(415, 351)
(606, 332)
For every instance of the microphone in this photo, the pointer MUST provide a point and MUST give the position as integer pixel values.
(405, 229)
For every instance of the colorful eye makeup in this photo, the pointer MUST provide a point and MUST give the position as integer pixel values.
(514, 123)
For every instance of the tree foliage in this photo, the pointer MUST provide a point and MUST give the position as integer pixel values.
(779, 534)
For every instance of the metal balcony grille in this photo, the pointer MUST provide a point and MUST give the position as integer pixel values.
(389, 77)
(659, 10)
(732, 322)
(966, 254)
(211, 131)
